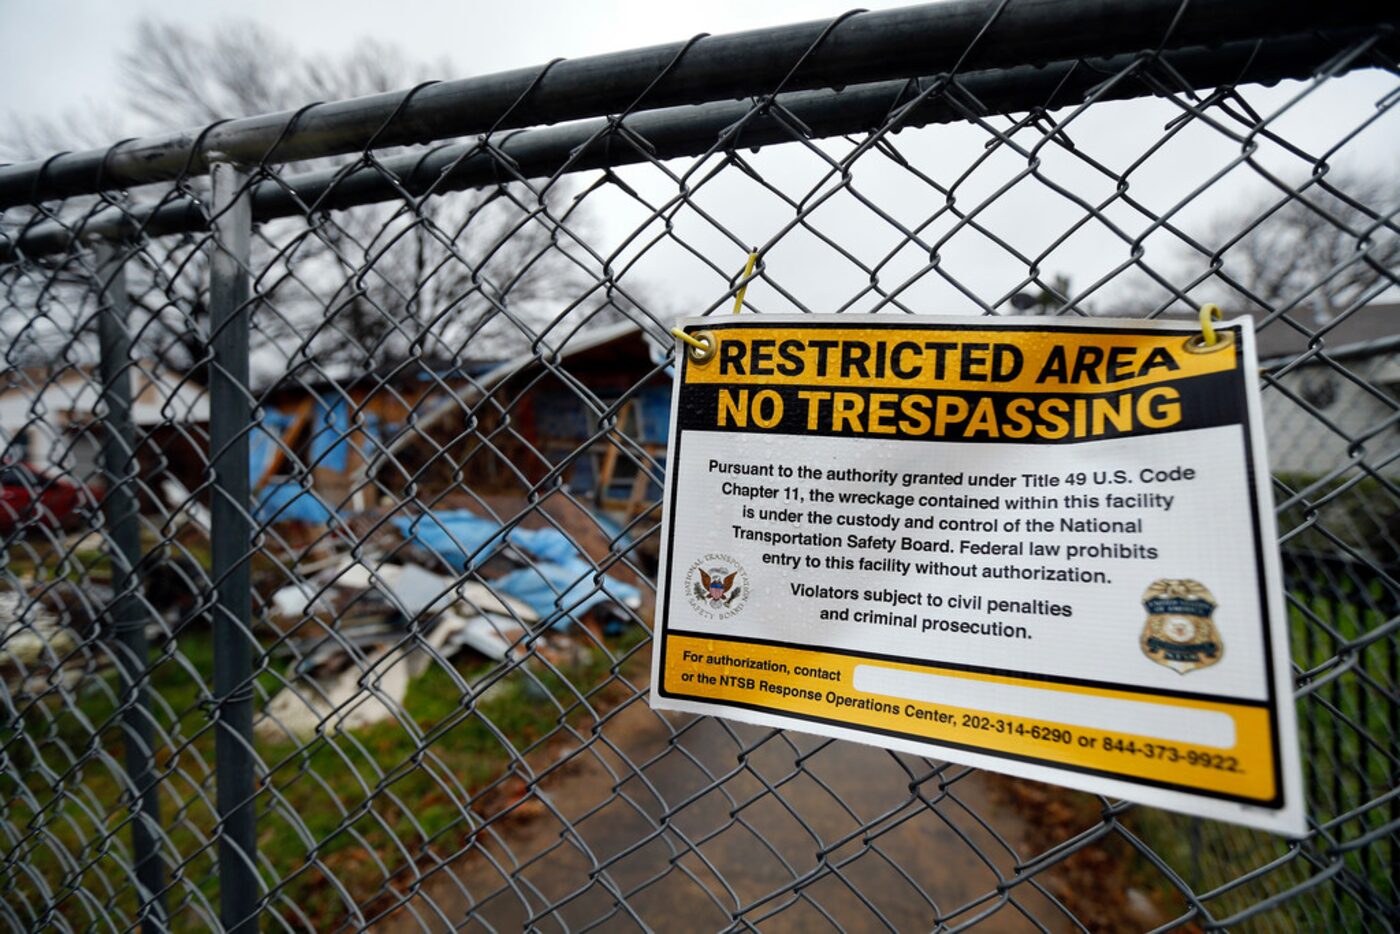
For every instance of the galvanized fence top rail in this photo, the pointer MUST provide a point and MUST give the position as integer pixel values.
(333, 441)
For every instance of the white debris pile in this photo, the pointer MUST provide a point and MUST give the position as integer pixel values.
(360, 630)
(31, 634)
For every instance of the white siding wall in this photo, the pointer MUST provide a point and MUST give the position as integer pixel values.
(1301, 442)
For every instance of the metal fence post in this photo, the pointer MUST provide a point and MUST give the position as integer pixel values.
(229, 420)
(128, 620)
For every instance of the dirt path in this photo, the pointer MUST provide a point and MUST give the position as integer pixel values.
(749, 812)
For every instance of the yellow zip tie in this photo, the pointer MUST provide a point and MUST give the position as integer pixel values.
(702, 347)
(692, 341)
(1209, 340)
(1208, 335)
(748, 271)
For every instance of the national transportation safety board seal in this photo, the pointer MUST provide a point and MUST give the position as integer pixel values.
(717, 586)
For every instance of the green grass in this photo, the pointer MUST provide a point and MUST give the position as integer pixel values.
(360, 808)
(42, 562)
(41, 559)
(1347, 735)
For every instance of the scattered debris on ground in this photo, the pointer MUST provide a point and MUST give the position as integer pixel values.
(31, 633)
(449, 581)
(351, 620)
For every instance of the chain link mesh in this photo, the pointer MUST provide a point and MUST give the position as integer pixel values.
(459, 374)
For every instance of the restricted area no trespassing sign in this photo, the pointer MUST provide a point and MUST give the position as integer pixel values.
(1041, 546)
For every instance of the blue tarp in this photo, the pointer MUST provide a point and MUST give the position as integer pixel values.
(655, 403)
(549, 544)
(373, 437)
(287, 501)
(560, 593)
(454, 535)
(328, 445)
(263, 440)
(330, 436)
(558, 586)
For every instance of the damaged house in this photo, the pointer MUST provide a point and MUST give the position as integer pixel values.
(318, 433)
(483, 489)
(594, 416)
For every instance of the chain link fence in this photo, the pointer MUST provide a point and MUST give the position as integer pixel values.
(333, 443)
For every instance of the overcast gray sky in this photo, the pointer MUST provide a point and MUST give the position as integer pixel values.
(61, 54)
(58, 53)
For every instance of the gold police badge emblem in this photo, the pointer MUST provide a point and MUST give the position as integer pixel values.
(1179, 632)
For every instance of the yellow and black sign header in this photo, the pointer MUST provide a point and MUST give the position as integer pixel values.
(1046, 384)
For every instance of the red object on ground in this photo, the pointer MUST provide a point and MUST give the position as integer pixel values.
(29, 496)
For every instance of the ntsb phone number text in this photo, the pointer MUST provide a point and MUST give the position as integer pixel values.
(1163, 752)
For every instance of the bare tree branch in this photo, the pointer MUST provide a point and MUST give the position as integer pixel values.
(1327, 248)
(363, 287)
